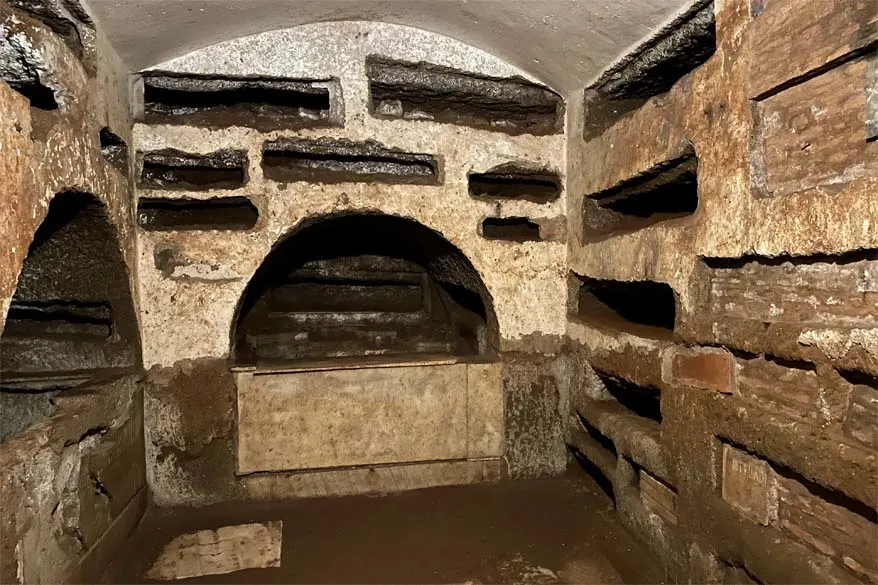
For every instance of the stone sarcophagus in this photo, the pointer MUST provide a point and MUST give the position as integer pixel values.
(332, 415)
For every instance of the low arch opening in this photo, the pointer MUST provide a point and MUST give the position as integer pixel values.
(71, 319)
(363, 285)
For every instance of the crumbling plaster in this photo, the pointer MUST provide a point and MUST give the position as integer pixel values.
(186, 318)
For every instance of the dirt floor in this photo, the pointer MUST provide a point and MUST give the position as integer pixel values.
(560, 530)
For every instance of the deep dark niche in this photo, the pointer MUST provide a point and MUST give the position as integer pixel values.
(218, 101)
(668, 190)
(514, 229)
(221, 213)
(174, 169)
(424, 91)
(22, 70)
(363, 286)
(327, 160)
(71, 313)
(511, 181)
(641, 400)
(644, 307)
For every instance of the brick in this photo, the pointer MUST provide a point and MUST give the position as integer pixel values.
(872, 98)
(833, 529)
(794, 391)
(804, 290)
(792, 38)
(749, 485)
(708, 368)
(813, 134)
(860, 423)
(658, 497)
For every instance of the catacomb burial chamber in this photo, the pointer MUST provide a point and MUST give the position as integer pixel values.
(272, 251)
(357, 285)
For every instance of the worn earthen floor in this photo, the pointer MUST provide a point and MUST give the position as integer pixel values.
(560, 530)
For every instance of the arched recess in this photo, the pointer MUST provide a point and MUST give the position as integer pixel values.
(71, 318)
(363, 284)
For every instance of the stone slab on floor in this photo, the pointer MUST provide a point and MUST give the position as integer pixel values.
(215, 552)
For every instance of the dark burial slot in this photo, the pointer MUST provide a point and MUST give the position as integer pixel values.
(666, 191)
(641, 400)
(59, 319)
(173, 169)
(22, 71)
(418, 91)
(515, 229)
(513, 183)
(647, 303)
(224, 213)
(114, 149)
(336, 161)
(263, 103)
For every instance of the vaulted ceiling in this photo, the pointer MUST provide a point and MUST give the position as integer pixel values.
(564, 43)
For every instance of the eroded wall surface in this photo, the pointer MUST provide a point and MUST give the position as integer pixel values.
(73, 484)
(188, 308)
(739, 438)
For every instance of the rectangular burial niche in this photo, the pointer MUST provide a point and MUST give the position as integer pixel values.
(424, 91)
(329, 160)
(59, 319)
(643, 308)
(651, 69)
(515, 181)
(641, 400)
(177, 170)
(263, 103)
(668, 190)
(221, 213)
(512, 229)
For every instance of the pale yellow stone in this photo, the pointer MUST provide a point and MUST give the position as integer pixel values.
(371, 416)
(485, 410)
(214, 552)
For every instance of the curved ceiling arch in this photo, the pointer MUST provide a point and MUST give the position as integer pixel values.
(563, 43)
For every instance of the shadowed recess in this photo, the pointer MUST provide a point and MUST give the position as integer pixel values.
(643, 308)
(221, 213)
(513, 229)
(221, 101)
(424, 91)
(511, 181)
(328, 160)
(174, 169)
(651, 69)
(71, 317)
(668, 190)
(363, 285)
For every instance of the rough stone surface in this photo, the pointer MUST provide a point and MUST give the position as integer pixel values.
(310, 420)
(75, 476)
(214, 552)
(525, 280)
(66, 480)
(773, 275)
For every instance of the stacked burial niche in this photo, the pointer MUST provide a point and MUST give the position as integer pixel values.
(425, 91)
(361, 285)
(71, 318)
(651, 69)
